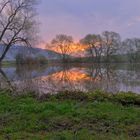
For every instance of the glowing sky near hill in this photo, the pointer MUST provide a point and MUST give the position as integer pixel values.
(80, 17)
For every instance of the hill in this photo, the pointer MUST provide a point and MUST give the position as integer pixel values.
(34, 52)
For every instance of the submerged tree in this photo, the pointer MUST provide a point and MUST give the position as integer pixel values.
(17, 23)
(95, 47)
(62, 43)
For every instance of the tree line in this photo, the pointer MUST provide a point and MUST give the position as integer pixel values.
(18, 26)
(104, 47)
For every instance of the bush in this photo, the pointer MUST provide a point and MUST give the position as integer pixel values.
(21, 59)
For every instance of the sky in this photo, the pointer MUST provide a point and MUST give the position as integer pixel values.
(80, 17)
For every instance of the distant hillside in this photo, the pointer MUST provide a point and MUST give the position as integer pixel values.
(33, 52)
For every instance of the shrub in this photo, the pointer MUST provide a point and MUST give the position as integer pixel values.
(21, 59)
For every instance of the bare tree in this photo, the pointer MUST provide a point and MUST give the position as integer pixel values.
(95, 46)
(137, 43)
(112, 42)
(17, 23)
(130, 46)
(62, 43)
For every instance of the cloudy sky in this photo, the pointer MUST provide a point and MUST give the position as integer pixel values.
(81, 17)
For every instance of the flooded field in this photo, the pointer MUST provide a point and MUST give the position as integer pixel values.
(75, 77)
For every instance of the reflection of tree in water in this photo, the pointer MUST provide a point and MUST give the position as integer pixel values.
(110, 80)
(129, 77)
(17, 85)
(65, 78)
(102, 77)
(55, 82)
(26, 74)
(29, 78)
(95, 74)
(119, 78)
(71, 78)
(5, 82)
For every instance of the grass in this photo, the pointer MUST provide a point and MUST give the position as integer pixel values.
(70, 116)
(8, 63)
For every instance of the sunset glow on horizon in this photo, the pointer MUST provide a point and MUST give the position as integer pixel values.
(73, 48)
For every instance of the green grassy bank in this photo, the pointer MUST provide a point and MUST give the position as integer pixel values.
(70, 116)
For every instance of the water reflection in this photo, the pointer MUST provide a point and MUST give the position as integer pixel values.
(5, 82)
(52, 79)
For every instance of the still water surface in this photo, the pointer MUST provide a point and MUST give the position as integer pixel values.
(81, 77)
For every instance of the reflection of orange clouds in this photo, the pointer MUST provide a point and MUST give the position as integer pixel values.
(71, 75)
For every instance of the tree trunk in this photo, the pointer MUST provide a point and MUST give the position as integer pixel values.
(108, 58)
(7, 80)
(4, 53)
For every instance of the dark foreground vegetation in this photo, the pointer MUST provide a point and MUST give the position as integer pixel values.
(70, 116)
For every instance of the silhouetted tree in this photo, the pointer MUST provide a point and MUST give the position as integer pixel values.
(112, 42)
(62, 44)
(95, 46)
(137, 44)
(17, 23)
(130, 48)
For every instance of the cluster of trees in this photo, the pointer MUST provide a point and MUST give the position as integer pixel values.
(18, 26)
(21, 59)
(132, 49)
(100, 47)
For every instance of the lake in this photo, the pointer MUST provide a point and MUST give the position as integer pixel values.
(73, 77)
